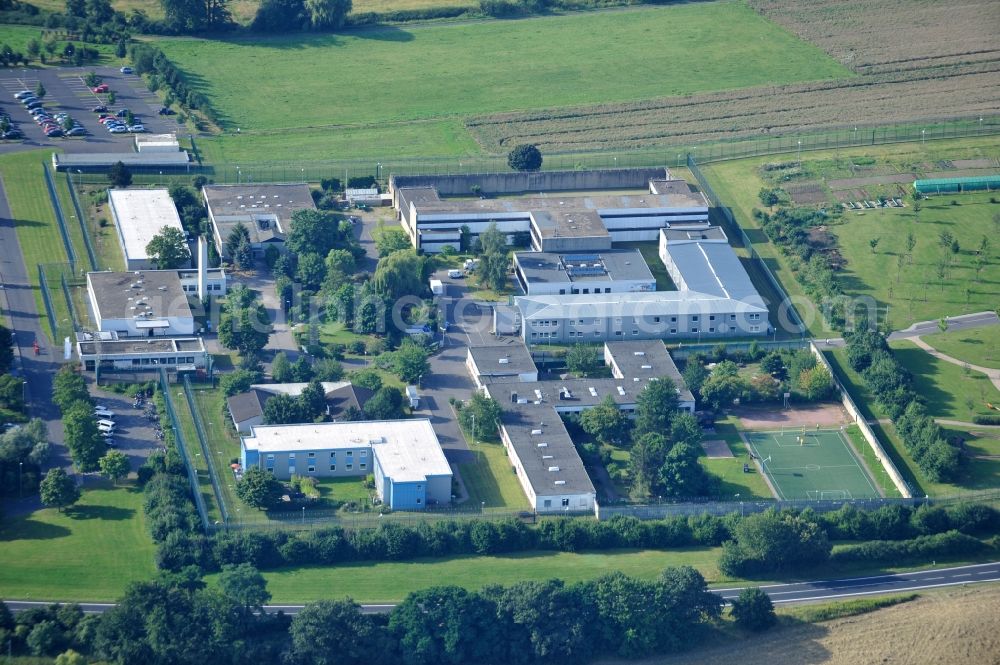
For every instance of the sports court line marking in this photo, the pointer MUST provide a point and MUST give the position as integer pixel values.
(765, 471)
(854, 458)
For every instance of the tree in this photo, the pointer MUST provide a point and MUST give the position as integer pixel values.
(82, 437)
(246, 330)
(525, 158)
(873, 243)
(754, 610)
(480, 416)
(58, 489)
(281, 368)
(313, 399)
(258, 488)
(114, 465)
(773, 364)
(656, 406)
(317, 231)
(911, 242)
(335, 632)
(283, 410)
(720, 389)
(409, 362)
(327, 14)
(169, 249)
(239, 235)
(311, 270)
(280, 16)
(45, 638)
(445, 625)
(385, 404)
(773, 541)
(389, 239)
(69, 387)
(769, 197)
(815, 383)
(119, 175)
(606, 422)
(695, 374)
(40, 90)
(398, 274)
(583, 359)
(70, 657)
(328, 369)
(681, 475)
(238, 382)
(246, 588)
(764, 388)
(11, 392)
(340, 262)
(645, 460)
(494, 262)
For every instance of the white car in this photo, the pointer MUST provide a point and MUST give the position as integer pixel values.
(118, 129)
(126, 70)
(104, 412)
(136, 129)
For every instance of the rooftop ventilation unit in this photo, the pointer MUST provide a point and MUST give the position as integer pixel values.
(560, 482)
(543, 444)
(546, 456)
(638, 353)
(647, 367)
(504, 361)
(553, 469)
(621, 391)
(536, 432)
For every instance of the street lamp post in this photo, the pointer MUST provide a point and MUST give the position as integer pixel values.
(237, 175)
(923, 136)
(473, 428)
(303, 514)
(798, 155)
(20, 470)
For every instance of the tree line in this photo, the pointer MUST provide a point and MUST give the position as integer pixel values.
(890, 383)
(177, 618)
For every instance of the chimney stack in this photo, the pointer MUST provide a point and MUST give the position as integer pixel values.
(202, 268)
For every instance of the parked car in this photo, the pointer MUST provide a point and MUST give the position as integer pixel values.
(136, 129)
(12, 134)
(27, 100)
(37, 104)
(118, 129)
(53, 132)
(106, 423)
(122, 113)
(126, 70)
(101, 88)
(100, 108)
(165, 110)
(23, 93)
(103, 412)
(76, 131)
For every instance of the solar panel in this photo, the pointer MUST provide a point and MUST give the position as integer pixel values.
(581, 258)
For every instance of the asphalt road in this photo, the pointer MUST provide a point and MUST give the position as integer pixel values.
(787, 594)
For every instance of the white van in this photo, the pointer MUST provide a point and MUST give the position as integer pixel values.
(103, 412)
(106, 425)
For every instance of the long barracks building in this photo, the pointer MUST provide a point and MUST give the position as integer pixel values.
(555, 221)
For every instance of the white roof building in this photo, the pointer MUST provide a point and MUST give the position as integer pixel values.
(140, 214)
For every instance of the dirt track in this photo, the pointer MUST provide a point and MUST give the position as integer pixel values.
(942, 628)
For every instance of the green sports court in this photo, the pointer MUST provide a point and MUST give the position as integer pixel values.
(811, 464)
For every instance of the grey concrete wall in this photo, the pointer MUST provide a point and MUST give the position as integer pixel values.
(541, 181)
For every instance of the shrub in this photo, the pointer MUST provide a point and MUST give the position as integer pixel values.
(754, 610)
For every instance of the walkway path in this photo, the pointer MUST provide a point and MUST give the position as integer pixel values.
(992, 374)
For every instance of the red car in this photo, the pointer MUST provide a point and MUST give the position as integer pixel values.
(102, 88)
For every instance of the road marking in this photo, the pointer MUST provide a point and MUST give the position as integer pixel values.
(893, 590)
(871, 577)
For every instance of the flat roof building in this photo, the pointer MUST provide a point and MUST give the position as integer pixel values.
(609, 271)
(138, 162)
(265, 210)
(105, 352)
(148, 303)
(410, 469)
(703, 261)
(139, 215)
(541, 451)
(501, 363)
(556, 221)
(157, 143)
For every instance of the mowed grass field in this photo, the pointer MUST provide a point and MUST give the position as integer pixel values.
(90, 552)
(35, 222)
(916, 294)
(367, 78)
(979, 346)
(946, 388)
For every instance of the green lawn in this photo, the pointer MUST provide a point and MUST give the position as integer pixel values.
(37, 231)
(947, 390)
(192, 446)
(863, 450)
(490, 480)
(915, 294)
(387, 582)
(91, 552)
(729, 471)
(979, 346)
(439, 72)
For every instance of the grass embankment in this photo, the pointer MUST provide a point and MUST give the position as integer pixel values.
(916, 293)
(90, 552)
(733, 482)
(948, 390)
(979, 472)
(35, 222)
(490, 480)
(547, 62)
(979, 346)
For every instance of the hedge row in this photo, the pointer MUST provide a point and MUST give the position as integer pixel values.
(869, 354)
(180, 546)
(951, 543)
(148, 59)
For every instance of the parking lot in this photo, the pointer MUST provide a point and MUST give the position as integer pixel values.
(134, 432)
(67, 92)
